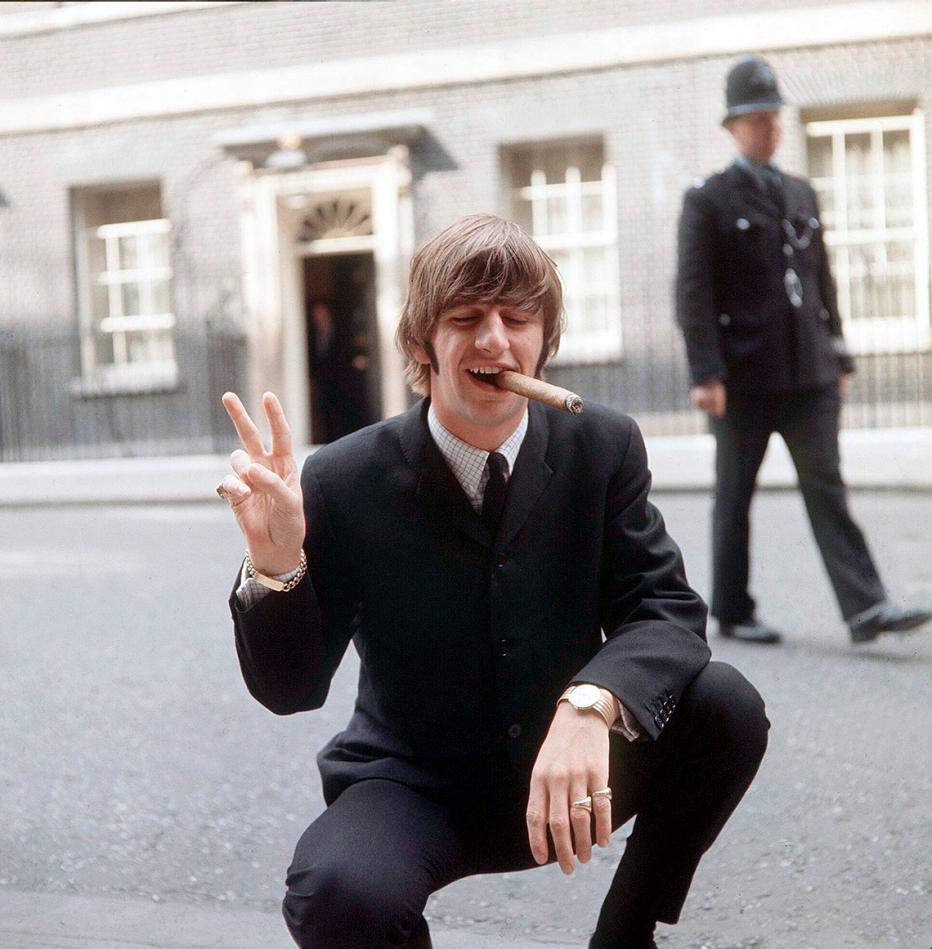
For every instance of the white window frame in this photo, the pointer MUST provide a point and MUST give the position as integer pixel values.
(577, 346)
(879, 334)
(123, 373)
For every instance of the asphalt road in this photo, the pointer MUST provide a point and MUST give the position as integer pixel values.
(133, 763)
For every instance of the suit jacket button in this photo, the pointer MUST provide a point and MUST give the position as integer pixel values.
(514, 731)
(724, 319)
(503, 645)
(500, 560)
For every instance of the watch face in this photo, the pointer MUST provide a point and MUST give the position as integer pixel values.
(584, 696)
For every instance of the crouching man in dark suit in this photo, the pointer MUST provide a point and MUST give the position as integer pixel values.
(533, 663)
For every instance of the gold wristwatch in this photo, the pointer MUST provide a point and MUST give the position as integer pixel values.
(585, 697)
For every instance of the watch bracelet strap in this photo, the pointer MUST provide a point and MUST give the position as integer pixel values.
(610, 710)
(271, 583)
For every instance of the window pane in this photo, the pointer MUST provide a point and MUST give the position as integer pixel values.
(588, 159)
(521, 214)
(595, 270)
(521, 167)
(897, 184)
(861, 273)
(553, 160)
(557, 217)
(592, 213)
(859, 172)
(131, 299)
(595, 313)
(161, 302)
(821, 175)
(103, 348)
(563, 260)
(820, 157)
(900, 279)
(129, 252)
(100, 305)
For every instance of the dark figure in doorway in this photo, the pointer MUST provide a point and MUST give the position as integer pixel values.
(756, 301)
(339, 360)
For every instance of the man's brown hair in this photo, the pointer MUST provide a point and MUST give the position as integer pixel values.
(478, 259)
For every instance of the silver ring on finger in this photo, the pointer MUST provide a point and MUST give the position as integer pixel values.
(604, 792)
(585, 803)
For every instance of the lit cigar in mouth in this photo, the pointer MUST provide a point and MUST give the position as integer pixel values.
(540, 391)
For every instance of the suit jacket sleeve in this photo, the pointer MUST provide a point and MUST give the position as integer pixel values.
(829, 298)
(654, 622)
(697, 308)
(290, 644)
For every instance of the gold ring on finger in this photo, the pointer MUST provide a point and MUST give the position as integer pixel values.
(226, 495)
(604, 792)
(585, 803)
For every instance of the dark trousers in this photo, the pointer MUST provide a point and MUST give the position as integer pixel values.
(362, 872)
(808, 423)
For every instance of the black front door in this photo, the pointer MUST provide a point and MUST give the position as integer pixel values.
(342, 344)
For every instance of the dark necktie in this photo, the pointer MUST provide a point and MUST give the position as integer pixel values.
(774, 184)
(494, 500)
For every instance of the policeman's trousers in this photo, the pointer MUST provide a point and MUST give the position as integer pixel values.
(808, 423)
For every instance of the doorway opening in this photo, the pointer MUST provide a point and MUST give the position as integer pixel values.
(343, 345)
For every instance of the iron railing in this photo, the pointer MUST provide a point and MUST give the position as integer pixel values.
(49, 412)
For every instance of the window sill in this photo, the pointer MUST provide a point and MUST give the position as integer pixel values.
(114, 381)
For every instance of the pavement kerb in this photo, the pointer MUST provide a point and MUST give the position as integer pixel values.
(60, 921)
(899, 459)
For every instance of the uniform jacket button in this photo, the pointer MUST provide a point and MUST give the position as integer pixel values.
(514, 731)
(742, 224)
(724, 319)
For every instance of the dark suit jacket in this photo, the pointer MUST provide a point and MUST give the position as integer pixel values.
(466, 641)
(731, 302)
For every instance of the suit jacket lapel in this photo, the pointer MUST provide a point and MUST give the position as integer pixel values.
(529, 478)
(441, 493)
(751, 192)
(437, 486)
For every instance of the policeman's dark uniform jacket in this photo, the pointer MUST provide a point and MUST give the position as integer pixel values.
(466, 640)
(756, 302)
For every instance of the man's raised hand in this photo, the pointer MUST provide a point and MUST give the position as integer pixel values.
(264, 491)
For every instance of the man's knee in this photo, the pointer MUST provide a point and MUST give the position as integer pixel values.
(732, 708)
(337, 907)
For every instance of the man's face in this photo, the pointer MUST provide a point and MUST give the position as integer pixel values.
(757, 134)
(478, 336)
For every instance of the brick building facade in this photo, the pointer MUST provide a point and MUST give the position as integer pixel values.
(202, 195)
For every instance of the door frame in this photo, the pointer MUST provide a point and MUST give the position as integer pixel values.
(273, 278)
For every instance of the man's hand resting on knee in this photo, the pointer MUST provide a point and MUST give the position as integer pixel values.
(571, 764)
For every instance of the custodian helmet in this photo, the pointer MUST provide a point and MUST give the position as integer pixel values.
(751, 86)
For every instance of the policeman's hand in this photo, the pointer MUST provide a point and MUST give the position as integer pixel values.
(710, 397)
(264, 491)
(571, 764)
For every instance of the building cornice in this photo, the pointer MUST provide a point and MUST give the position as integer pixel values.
(27, 22)
(801, 27)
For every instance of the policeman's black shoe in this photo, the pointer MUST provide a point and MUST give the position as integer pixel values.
(885, 617)
(643, 945)
(420, 936)
(750, 631)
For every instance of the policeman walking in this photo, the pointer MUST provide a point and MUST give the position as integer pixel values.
(756, 302)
